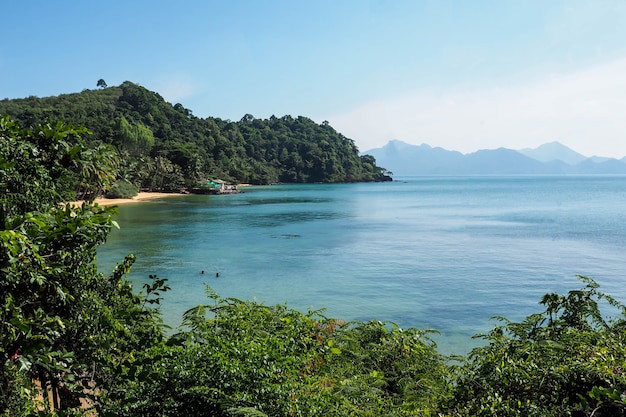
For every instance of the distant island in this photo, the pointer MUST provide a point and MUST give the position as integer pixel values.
(552, 158)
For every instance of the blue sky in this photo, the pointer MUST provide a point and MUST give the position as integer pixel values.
(463, 75)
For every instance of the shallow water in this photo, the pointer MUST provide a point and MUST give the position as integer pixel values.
(443, 253)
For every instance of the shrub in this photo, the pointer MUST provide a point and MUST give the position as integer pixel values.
(244, 358)
(566, 361)
(122, 189)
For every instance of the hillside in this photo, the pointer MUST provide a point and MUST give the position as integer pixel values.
(164, 146)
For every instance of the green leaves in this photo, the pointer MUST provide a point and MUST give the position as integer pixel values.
(36, 164)
(235, 357)
(61, 322)
(565, 360)
(165, 147)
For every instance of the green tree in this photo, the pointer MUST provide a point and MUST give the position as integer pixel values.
(61, 322)
(236, 357)
(33, 163)
(99, 169)
(141, 124)
(137, 139)
(566, 360)
(166, 176)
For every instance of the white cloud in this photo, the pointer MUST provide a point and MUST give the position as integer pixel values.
(585, 110)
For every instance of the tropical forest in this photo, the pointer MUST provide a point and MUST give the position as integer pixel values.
(76, 340)
(158, 146)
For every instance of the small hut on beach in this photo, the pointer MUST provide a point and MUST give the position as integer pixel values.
(215, 187)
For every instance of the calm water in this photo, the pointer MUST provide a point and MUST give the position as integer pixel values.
(441, 253)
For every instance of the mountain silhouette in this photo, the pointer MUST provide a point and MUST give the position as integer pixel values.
(552, 158)
(554, 151)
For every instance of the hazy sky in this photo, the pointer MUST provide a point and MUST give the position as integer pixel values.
(463, 75)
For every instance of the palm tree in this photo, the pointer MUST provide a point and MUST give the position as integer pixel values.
(98, 169)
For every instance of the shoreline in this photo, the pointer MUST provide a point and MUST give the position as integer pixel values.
(140, 197)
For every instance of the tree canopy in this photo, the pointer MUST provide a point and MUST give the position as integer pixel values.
(164, 146)
(63, 324)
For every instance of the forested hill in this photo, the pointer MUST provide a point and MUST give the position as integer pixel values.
(164, 146)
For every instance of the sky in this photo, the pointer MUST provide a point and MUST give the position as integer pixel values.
(462, 75)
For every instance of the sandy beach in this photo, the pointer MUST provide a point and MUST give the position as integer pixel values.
(140, 197)
(143, 196)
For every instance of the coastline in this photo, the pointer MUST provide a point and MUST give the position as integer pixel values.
(140, 197)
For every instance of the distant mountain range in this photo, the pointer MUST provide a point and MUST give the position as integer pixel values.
(552, 158)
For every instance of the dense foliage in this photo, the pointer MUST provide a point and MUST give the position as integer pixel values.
(566, 360)
(63, 325)
(164, 146)
(72, 337)
(244, 358)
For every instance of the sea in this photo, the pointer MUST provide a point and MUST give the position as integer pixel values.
(434, 253)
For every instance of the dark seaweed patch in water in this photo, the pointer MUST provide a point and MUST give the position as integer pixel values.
(284, 200)
(287, 218)
(286, 236)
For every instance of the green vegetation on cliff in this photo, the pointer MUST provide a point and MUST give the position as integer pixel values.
(164, 146)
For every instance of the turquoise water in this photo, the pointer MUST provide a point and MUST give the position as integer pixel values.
(441, 253)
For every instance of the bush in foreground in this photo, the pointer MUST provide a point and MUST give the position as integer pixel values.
(568, 360)
(244, 358)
